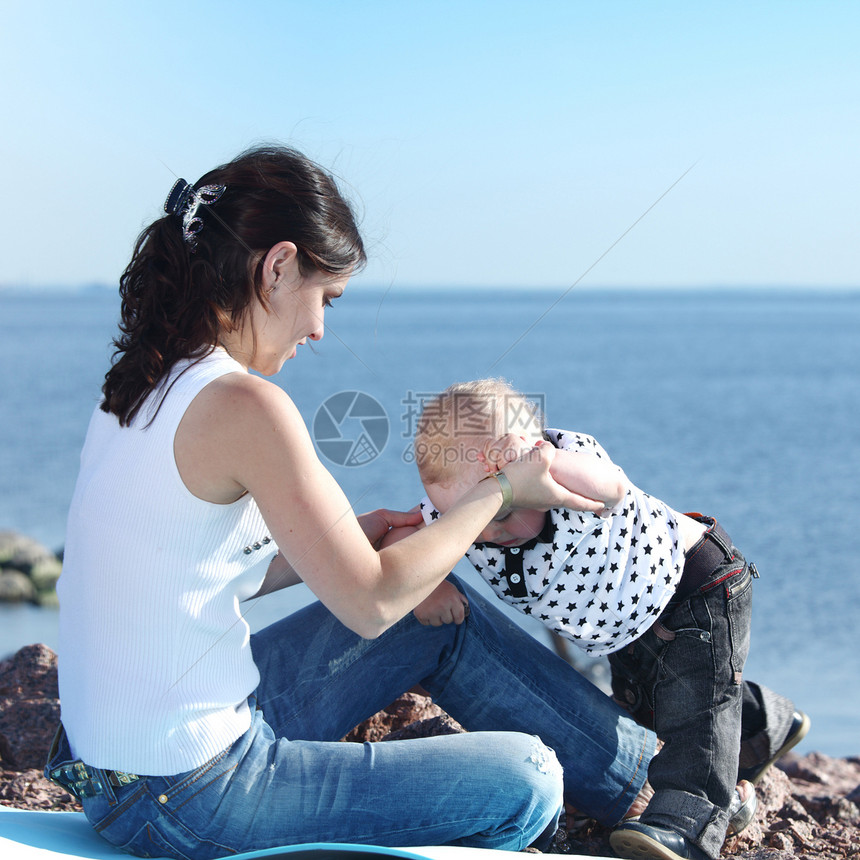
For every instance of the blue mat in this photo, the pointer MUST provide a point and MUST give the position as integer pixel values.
(37, 835)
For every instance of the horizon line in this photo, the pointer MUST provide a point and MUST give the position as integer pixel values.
(102, 287)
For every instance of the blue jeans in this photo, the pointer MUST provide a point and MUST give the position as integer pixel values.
(287, 780)
(683, 676)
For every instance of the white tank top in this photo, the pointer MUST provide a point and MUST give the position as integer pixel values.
(155, 662)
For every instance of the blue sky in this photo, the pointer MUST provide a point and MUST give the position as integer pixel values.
(484, 143)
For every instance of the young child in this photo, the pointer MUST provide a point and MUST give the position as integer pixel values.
(665, 595)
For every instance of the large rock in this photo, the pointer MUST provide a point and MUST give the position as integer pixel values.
(29, 707)
(16, 587)
(28, 570)
(20, 552)
(29, 715)
(411, 707)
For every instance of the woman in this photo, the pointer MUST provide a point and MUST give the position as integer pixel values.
(199, 488)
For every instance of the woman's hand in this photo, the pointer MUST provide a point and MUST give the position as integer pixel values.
(533, 484)
(593, 484)
(377, 524)
(498, 453)
(446, 605)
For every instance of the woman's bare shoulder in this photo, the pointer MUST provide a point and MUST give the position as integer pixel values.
(235, 424)
(243, 398)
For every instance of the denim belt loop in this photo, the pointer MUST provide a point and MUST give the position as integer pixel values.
(712, 549)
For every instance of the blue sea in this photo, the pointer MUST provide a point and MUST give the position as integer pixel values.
(738, 403)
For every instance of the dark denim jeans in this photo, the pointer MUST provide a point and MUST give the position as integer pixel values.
(683, 677)
(283, 782)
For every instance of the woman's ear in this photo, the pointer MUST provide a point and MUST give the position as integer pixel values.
(280, 265)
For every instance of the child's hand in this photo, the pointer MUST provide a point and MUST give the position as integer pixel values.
(446, 605)
(498, 453)
(384, 527)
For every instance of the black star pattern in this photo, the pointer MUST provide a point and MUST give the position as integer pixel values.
(618, 550)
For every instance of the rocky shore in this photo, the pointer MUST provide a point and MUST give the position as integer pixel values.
(808, 806)
(28, 570)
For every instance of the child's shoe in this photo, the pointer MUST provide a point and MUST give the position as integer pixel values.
(742, 812)
(797, 732)
(636, 841)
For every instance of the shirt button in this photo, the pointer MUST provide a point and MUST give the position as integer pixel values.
(162, 798)
(515, 550)
(515, 577)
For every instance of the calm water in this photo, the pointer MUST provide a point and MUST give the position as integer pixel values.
(739, 404)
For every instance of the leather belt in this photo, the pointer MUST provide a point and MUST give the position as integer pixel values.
(80, 779)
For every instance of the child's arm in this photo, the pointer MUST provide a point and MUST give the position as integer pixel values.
(597, 482)
(597, 479)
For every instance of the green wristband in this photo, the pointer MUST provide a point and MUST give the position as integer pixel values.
(505, 484)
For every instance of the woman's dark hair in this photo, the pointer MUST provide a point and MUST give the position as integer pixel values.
(176, 302)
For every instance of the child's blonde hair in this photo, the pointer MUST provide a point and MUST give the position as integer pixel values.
(455, 425)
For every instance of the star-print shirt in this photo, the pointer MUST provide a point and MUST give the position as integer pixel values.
(602, 580)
